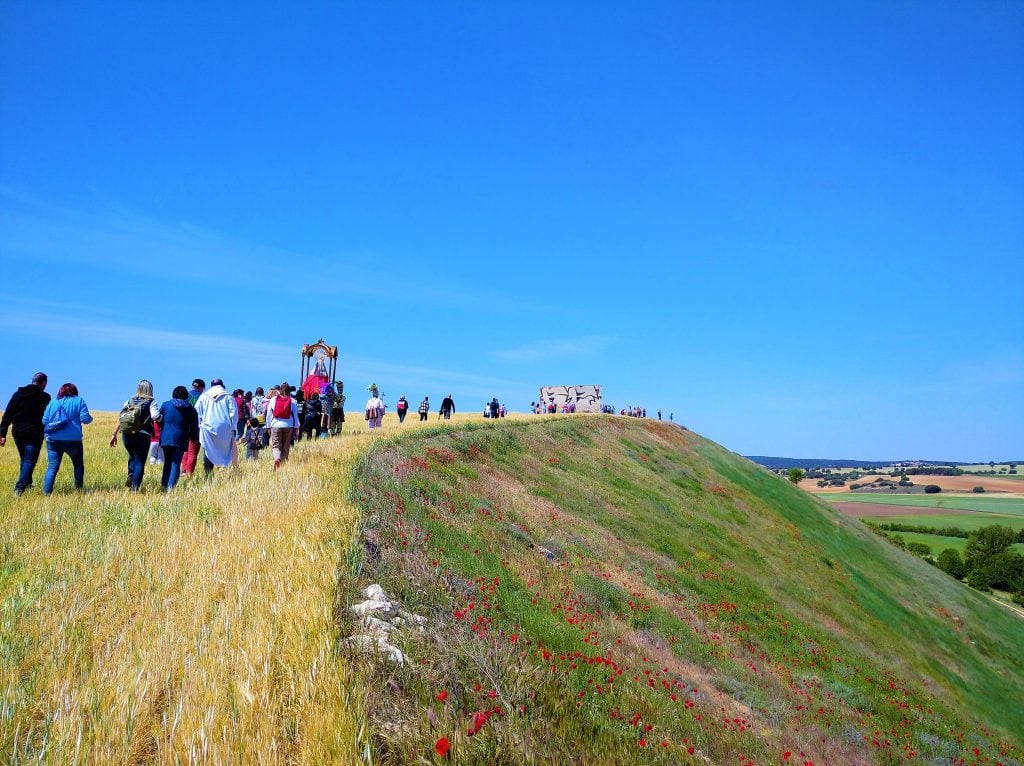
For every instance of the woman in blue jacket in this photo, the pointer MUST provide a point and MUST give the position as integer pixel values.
(62, 427)
(179, 423)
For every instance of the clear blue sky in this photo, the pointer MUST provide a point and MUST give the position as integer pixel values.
(797, 226)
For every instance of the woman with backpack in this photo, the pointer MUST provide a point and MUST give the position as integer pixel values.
(282, 420)
(135, 424)
(62, 427)
(180, 425)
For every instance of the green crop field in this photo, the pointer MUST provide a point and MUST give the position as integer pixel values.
(966, 520)
(1013, 506)
(938, 542)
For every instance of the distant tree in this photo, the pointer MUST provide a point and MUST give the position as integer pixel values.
(1003, 571)
(979, 490)
(796, 475)
(932, 489)
(986, 543)
(951, 563)
(991, 463)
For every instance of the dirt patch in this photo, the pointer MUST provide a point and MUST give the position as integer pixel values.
(885, 509)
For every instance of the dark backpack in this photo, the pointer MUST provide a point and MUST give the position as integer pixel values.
(283, 408)
(133, 416)
(255, 438)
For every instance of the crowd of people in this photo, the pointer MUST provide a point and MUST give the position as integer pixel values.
(210, 421)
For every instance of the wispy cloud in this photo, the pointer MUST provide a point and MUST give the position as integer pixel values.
(115, 237)
(555, 348)
(76, 331)
(253, 356)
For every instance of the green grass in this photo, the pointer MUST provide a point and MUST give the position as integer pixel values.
(939, 542)
(967, 521)
(1013, 506)
(687, 586)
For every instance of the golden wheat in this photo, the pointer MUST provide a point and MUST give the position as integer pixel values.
(194, 626)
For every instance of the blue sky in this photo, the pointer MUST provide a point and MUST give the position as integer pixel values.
(797, 226)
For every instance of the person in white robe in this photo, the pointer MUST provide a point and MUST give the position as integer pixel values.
(218, 415)
(374, 408)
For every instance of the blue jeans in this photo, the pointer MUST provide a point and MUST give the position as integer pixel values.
(172, 466)
(137, 446)
(28, 451)
(55, 450)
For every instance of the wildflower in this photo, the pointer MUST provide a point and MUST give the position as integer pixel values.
(442, 746)
(442, 695)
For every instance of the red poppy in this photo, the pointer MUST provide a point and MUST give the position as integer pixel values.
(442, 695)
(442, 747)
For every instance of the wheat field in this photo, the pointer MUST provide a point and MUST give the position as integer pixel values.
(194, 626)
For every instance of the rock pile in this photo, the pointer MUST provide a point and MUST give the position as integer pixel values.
(380, 617)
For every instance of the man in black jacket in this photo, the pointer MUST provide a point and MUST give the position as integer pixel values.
(24, 416)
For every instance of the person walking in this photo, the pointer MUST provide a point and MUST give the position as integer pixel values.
(495, 407)
(447, 407)
(135, 423)
(402, 407)
(254, 439)
(191, 456)
(179, 428)
(62, 424)
(23, 417)
(218, 418)
(282, 420)
(312, 416)
(424, 409)
(374, 408)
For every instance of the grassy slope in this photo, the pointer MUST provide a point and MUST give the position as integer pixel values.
(191, 627)
(697, 607)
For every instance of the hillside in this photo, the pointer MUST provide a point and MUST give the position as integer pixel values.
(206, 625)
(603, 590)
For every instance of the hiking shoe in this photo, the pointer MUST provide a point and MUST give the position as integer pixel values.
(19, 492)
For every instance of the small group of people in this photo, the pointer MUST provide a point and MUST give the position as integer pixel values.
(636, 412)
(494, 410)
(551, 408)
(375, 408)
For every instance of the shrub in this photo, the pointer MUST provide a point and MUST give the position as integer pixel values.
(950, 562)
(921, 549)
(932, 489)
(978, 489)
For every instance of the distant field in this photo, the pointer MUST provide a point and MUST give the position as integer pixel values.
(1001, 484)
(967, 520)
(996, 467)
(1013, 506)
(939, 543)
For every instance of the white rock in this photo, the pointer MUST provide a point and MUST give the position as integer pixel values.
(375, 593)
(384, 610)
(415, 619)
(377, 644)
(377, 627)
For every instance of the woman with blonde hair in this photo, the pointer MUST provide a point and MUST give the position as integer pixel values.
(135, 424)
